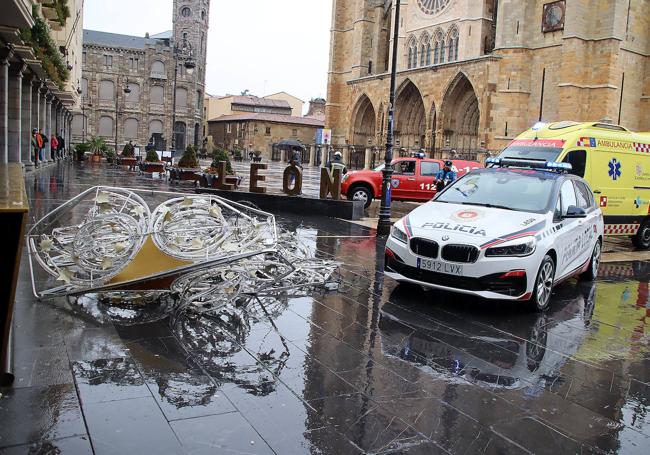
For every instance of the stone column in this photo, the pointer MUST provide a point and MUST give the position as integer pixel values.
(43, 124)
(48, 127)
(26, 122)
(4, 108)
(312, 155)
(15, 114)
(367, 158)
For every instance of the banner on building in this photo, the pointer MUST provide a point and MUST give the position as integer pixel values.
(323, 136)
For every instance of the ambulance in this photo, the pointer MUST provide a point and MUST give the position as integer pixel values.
(614, 160)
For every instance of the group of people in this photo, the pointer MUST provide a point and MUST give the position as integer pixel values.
(39, 146)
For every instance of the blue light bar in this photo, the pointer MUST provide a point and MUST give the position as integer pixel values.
(538, 126)
(493, 160)
(559, 166)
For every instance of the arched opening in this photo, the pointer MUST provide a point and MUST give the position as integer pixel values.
(410, 118)
(179, 136)
(197, 130)
(460, 116)
(364, 122)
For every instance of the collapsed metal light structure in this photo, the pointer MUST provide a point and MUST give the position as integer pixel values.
(203, 249)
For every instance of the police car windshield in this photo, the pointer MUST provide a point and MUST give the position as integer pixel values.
(531, 153)
(524, 191)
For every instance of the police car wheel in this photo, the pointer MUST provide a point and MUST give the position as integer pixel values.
(642, 238)
(592, 272)
(544, 284)
(361, 193)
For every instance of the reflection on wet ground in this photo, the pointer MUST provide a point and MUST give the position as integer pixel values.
(370, 368)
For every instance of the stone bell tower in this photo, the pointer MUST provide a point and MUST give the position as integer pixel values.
(191, 22)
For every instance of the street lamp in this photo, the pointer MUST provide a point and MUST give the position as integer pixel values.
(384, 224)
(126, 91)
(182, 51)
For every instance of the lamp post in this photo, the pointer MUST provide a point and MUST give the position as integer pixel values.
(182, 51)
(384, 224)
(126, 91)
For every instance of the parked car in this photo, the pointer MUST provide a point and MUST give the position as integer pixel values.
(508, 232)
(414, 179)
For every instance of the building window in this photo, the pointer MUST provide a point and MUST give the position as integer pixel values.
(83, 57)
(203, 14)
(428, 50)
(108, 61)
(133, 63)
(228, 128)
(438, 53)
(294, 132)
(186, 12)
(452, 46)
(106, 90)
(268, 131)
(156, 94)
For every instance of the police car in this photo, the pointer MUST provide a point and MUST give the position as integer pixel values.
(510, 231)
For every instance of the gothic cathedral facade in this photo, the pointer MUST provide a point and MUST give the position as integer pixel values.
(473, 74)
(164, 95)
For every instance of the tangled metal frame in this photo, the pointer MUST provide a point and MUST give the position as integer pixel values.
(203, 248)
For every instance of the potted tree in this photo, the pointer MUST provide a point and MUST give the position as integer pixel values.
(187, 168)
(128, 156)
(152, 163)
(111, 156)
(80, 151)
(98, 147)
(211, 173)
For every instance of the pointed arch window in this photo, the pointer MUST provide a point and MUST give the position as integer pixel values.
(413, 54)
(428, 48)
(438, 48)
(452, 45)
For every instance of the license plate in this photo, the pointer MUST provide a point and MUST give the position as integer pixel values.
(440, 267)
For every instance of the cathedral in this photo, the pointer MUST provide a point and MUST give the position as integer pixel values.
(473, 74)
(131, 84)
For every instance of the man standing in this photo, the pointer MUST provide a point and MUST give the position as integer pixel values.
(61, 141)
(445, 176)
(42, 144)
(337, 163)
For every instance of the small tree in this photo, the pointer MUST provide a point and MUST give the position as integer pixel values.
(80, 150)
(189, 158)
(97, 145)
(219, 154)
(152, 156)
(128, 151)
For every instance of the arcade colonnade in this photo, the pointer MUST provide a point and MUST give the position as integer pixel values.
(28, 100)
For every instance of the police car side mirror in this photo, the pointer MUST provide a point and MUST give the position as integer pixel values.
(575, 212)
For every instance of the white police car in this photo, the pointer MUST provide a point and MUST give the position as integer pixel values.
(511, 231)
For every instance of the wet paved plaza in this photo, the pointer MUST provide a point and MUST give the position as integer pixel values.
(369, 368)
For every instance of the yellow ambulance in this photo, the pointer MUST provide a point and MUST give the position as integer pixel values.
(614, 160)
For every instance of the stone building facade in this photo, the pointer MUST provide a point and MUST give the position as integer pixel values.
(148, 67)
(473, 74)
(264, 132)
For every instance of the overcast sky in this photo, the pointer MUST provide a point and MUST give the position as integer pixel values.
(260, 45)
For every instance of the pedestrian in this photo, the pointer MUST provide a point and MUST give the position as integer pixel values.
(36, 145)
(54, 147)
(445, 176)
(337, 163)
(41, 146)
(61, 142)
(44, 141)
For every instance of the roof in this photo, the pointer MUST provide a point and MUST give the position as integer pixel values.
(284, 93)
(275, 118)
(116, 39)
(257, 101)
(167, 34)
